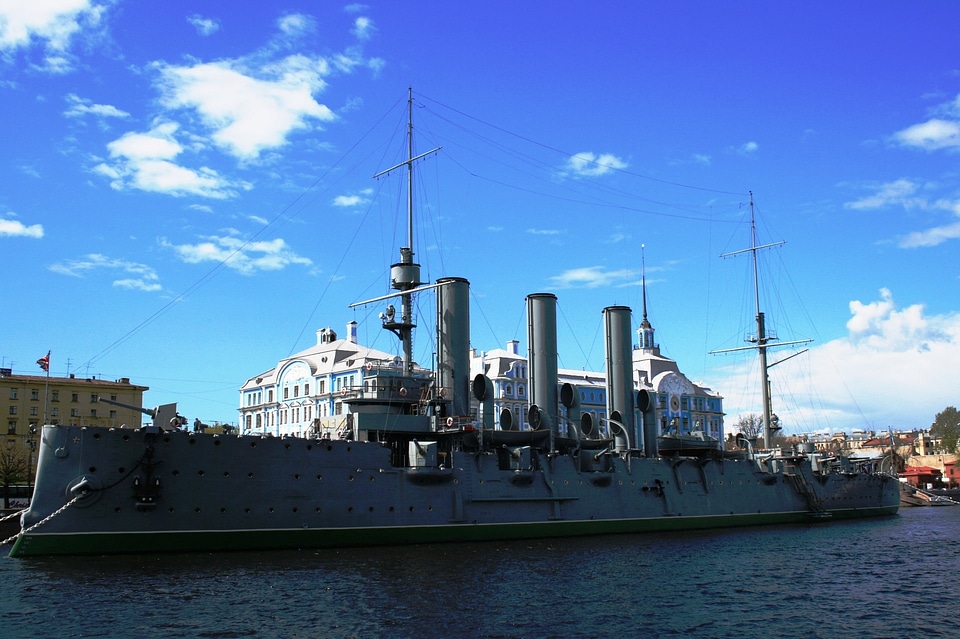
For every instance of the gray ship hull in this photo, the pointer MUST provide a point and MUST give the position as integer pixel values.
(108, 491)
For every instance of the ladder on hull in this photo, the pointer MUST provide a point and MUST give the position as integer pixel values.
(806, 490)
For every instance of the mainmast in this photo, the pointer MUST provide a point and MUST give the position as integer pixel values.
(761, 337)
(761, 340)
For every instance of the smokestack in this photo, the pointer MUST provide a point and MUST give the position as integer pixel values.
(352, 332)
(619, 374)
(542, 358)
(453, 342)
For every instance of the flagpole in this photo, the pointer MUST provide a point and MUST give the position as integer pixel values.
(46, 391)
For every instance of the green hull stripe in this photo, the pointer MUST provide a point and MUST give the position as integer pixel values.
(34, 544)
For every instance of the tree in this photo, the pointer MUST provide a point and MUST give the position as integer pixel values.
(13, 469)
(750, 425)
(946, 426)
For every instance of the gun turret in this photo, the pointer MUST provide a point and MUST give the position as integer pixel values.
(165, 416)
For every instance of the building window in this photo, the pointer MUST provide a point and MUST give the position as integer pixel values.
(13, 410)
(93, 412)
(55, 412)
(74, 412)
(286, 392)
(13, 393)
(296, 391)
(93, 398)
(33, 411)
(12, 427)
(34, 394)
(321, 386)
(270, 396)
(74, 397)
(55, 396)
(306, 389)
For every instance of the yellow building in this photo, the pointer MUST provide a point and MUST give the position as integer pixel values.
(32, 400)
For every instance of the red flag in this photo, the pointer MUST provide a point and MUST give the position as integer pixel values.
(44, 362)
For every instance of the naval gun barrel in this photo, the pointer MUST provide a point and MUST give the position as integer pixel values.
(165, 416)
(152, 412)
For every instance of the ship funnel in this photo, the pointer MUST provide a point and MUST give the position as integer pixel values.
(453, 342)
(620, 397)
(542, 359)
(647, 405)
(483, 392)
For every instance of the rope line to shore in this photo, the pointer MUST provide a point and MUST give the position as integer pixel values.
(78, 497)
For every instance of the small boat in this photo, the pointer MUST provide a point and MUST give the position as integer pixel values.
(913, 496)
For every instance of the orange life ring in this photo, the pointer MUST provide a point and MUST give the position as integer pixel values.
(449, 422)
(403, 391)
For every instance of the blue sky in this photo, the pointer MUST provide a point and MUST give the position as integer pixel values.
(187, 193)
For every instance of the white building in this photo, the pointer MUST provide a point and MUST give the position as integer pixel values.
(305, 395)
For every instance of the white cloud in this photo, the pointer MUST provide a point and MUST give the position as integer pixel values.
(931, 135)
(748, 147)
(894, 368)
(139, 277)
(544, 231)
(296, 24)
(594, 277)
(144, 161)
(931, 237)
(363, 28)
(79, 107)
(904, 193)
(896, 192)
(245, 257)
(249, 114)
(204, 26)
(591, 165)
(357, 199)
(15, 228)
(49, 24)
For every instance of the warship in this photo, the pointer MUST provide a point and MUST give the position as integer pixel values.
(426, 460)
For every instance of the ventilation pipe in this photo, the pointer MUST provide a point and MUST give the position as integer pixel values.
(570, 398)
(483, 392)
(647, 405)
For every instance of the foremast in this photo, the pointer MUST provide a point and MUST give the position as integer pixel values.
(405, 274)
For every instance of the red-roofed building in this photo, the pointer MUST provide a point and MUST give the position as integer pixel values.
(923, 476)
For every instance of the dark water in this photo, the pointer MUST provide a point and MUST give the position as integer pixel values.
(892, 577)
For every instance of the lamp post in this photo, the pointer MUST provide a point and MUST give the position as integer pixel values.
(32, 445)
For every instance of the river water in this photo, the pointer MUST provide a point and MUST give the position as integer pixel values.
(889, 577)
